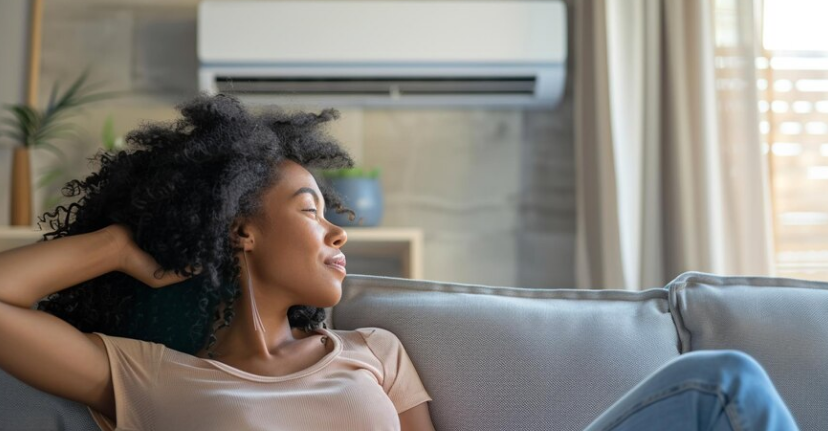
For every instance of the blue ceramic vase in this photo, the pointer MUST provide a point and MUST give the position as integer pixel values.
(363, 196)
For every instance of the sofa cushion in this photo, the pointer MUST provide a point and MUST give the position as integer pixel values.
(23, 407)
(783, 323)
(497, 358)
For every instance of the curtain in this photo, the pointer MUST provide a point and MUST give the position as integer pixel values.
(670, 175)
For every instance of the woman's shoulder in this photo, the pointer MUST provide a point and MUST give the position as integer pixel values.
(118, 346)
(367, 333)
(128, 341)
(379, 341)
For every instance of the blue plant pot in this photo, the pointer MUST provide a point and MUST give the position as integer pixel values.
(363, 196)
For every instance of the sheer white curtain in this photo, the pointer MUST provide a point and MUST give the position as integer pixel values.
(670, 171)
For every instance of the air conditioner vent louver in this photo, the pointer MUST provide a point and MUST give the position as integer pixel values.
(396, 86)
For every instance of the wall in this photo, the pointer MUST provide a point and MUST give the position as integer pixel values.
(13, 80)
(493, 189)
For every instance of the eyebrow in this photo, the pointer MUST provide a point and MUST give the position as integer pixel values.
(309, 191)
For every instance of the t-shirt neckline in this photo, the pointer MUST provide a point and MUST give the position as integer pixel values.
(296, 375)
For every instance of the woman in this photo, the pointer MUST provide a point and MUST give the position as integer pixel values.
(224, 202)
(221, 197)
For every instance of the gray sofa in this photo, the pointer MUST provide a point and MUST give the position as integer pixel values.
(504, 358)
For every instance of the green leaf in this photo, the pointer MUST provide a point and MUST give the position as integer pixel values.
(108, 134)
(28, 120)
(50, 202)
(67, 99)
(13, 129)
(10, 122)
(52, 97)
(35, 128)
(49, 176)
(52, 149)
(17, 137)
(26, 116)
(56, 130)
(79, 93)
(97, 97)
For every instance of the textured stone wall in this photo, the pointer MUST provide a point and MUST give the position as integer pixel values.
(493, 189)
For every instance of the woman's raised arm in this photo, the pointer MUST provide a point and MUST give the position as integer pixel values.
(45, 351)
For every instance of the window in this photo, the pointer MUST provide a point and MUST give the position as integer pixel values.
(792, 72)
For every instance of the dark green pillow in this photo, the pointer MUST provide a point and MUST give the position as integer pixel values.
(171, 316)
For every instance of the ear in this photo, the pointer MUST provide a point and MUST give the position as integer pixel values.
(241, 234)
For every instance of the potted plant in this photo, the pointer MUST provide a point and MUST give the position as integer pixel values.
(361, 191)
(32, 128)
(111, 142)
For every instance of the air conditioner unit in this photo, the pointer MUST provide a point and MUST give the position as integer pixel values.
(384, 53)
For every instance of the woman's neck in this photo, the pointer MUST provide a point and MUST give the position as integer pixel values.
(242, 339)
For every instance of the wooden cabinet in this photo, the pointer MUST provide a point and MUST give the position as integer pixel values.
(391, 252)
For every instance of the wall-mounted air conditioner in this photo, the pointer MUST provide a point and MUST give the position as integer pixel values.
(384, 53)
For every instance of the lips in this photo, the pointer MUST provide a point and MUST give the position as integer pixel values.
(338, 259)
(337, 262)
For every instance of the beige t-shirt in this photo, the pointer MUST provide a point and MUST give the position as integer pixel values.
(364, 383)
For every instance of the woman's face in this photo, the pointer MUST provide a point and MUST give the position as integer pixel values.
(294, 248)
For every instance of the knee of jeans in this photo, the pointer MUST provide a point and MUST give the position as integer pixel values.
(716, 364)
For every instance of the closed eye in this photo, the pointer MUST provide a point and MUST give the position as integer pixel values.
(313, 210)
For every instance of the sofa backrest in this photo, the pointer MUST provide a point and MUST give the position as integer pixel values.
(498, 358)
(782, 323)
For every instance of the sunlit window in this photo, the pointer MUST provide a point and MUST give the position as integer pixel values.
(793, 88)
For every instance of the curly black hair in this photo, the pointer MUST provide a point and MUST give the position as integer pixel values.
(179, 187)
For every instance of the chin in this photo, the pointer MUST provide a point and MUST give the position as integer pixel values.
(328, 297)
(335, 299)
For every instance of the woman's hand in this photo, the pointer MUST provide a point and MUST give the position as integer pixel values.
(137, 263)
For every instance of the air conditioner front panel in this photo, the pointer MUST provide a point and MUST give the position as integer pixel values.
(382, 31)
(385, 52)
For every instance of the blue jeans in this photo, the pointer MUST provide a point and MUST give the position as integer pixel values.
(715, 390)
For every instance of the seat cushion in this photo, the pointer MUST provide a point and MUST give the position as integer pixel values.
(783, 323)
(497, 358)
(23, 407)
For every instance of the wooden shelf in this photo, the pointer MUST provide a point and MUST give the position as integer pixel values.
(402, 244)
(18, 236)
(402, 247)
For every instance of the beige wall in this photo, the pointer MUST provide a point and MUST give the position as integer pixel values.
(493, 189)
(13, 72)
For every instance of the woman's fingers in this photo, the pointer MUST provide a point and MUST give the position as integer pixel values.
(166, 278)
(141, 265)
(147, 270)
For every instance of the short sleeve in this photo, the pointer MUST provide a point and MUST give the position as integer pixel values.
(135, 366)
(400, 379)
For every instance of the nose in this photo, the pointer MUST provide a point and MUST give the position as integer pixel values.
(337, 236)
